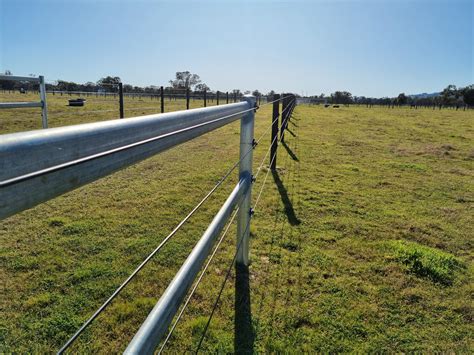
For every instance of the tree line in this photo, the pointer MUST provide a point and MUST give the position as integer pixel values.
(182, 81)
(185, 80)
(450, 96)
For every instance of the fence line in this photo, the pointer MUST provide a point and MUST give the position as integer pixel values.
(40, 165)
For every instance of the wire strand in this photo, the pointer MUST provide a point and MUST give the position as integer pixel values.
(197, 283)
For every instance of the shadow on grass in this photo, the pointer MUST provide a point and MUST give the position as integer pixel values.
(290, 132)
(244, 336)
(290, 152)
(289, 210)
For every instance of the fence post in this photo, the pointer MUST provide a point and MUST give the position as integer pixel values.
(217, 98)
(205, 98)
(121, 100)
(245, 171)
(162, 98)
(227, 97)
(44, 106)
(187, 99)
(284, 113)
(274, 139)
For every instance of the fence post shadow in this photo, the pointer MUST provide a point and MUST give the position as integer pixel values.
(289, 210)
(244, 334)
(290, 152)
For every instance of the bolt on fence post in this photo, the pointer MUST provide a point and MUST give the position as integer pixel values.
(162, 98)
(187, 99)
(245, 172)
(205, 98)
(121, 100)
(217, 98)
(274, 139)
(44, 106)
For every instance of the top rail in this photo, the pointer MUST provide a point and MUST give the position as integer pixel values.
(36, 166)
(19, 78)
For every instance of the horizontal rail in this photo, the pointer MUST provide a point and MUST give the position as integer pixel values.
(159, 319)
(20, 104)
(19, 78)
(36, 166)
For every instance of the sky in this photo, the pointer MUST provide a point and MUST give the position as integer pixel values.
(368, 47)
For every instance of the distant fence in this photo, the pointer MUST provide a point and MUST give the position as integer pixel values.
(42, 93)
(39, 165)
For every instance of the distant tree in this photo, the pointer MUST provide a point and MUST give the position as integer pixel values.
(109, 83)
(402, 99)
(256, 93)
(450, 95)
(185, 80)
(127, 88)
(341, 97)
(7, 84)
(468, 95)
(271, 93)
(246, 92)
(202, 87)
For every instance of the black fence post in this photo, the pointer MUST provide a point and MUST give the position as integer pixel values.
(187, 99)
(284, 113)
(205, 98)
(227, 97)
(121, 99)
(235, 97)
(274, 139)
(217, 98)
(162, 98)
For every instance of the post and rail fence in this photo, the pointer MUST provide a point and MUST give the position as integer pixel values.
(42, 92)
(37, 166)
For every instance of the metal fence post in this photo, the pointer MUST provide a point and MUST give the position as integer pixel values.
(162, 98)
(284, 113)
(187, 99)
(205, 98)
(44, 106)
(274, 139)
(227, 97)
(121, 100)
(245, 172)
(217, 98)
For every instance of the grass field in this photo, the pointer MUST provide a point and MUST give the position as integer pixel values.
(362, 241)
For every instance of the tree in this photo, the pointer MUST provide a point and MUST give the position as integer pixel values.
(7, 84)
(450, 95)
(256, 93)
(202, 87)
(402, 99)
(468, 95)
(110, 83)
(185, 80)
(341, 97)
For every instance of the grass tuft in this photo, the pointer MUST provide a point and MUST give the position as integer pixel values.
(427, 262)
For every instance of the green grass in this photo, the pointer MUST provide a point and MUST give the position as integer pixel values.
(362, 241)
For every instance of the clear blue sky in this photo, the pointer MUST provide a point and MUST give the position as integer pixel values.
(371, 48)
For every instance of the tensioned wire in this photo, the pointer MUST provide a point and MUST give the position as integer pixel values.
(168, 237)
(215, 250)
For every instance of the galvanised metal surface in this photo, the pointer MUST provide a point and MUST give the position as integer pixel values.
(152, 330)
(245, 171)
(28, 160)
(44, 105)
(20, 104)
(19, 78)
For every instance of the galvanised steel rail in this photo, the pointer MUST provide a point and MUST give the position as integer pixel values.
(42, 92)
(38, 165)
